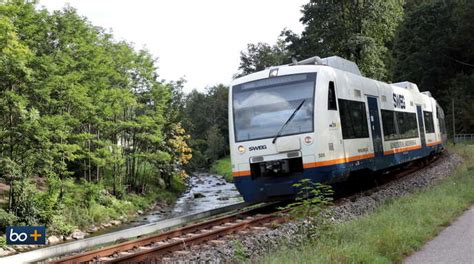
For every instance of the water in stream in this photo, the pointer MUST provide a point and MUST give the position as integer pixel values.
(205, 192)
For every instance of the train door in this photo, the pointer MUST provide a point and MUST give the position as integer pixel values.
(421, 125)
(334, 137)
(375, 126)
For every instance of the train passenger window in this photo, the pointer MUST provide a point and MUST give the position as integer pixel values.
(353, 119)
(399, 125)
(440, 114)
(429, 126)
(331, 97)
(389, 125)
(406, 124)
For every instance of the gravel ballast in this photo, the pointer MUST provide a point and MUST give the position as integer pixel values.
(257, 243)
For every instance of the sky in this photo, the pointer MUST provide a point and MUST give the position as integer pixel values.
(199, 41)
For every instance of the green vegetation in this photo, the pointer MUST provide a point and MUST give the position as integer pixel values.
(87, 131)
(205, 117)
(310, 199)
(427, 42)
(433, 48)
(395, 229)
(223, 167)
(239, 251)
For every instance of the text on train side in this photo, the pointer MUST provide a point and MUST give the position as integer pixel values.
(398, 101)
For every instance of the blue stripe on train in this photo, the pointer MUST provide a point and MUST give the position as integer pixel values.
(263, 189)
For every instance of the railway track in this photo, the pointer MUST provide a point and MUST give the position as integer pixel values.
(154, 248)
(367, 183)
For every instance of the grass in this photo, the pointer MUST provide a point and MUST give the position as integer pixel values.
(223, 167)
(396, 229)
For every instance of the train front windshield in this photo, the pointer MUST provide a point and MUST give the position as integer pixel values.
(260, 108)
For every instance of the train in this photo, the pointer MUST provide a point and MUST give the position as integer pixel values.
(321, 119)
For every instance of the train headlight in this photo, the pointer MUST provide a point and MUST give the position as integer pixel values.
(273, 73)
(308, 140)
(241, 149)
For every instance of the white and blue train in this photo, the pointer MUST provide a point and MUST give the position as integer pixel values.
(321, 119)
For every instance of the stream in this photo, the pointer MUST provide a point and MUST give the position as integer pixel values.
(204, 192)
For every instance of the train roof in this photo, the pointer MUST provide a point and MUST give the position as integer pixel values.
(334, 62)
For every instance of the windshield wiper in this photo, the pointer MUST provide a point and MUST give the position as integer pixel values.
(288, 121)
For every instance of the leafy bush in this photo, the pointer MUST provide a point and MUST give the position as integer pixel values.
(223, 167)
(67, 205)
(177, 186)
(310, 199)
(121, 207)
(77, 216)
(199, 160)
(6, 219)
(59, 225)
(91, 193)
(26, 207)
(48, 202)
(3, 242)
(105, 199)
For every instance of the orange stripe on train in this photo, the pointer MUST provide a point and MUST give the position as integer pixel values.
(241, 173)
(316, 164)
(345, 160)
(336, 161)
(400, 150)
(434, 143)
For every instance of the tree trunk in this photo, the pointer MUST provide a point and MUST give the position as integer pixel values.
(89, 178)
(10, 195)
(97, 172)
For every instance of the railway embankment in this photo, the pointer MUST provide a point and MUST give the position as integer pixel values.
(204, 192)
(386, 223)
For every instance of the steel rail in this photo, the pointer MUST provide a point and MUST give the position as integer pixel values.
(107, 251)
(78, 245)
(125, 248)
(155, 253)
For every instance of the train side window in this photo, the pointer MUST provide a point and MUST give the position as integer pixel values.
(429, 125)
(399, 125)
(389, 125)
(353, 119)
(332, 105)
(440, 115)
(407, 125)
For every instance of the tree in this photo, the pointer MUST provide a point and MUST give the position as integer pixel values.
(78, 106)
(206, 119)
(218, 114)
(433, 49)
(259, 56)
(216, 144)
(361, 31)
(16, 118)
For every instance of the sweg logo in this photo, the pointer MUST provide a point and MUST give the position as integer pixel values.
(26, 235)
(261, 147)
